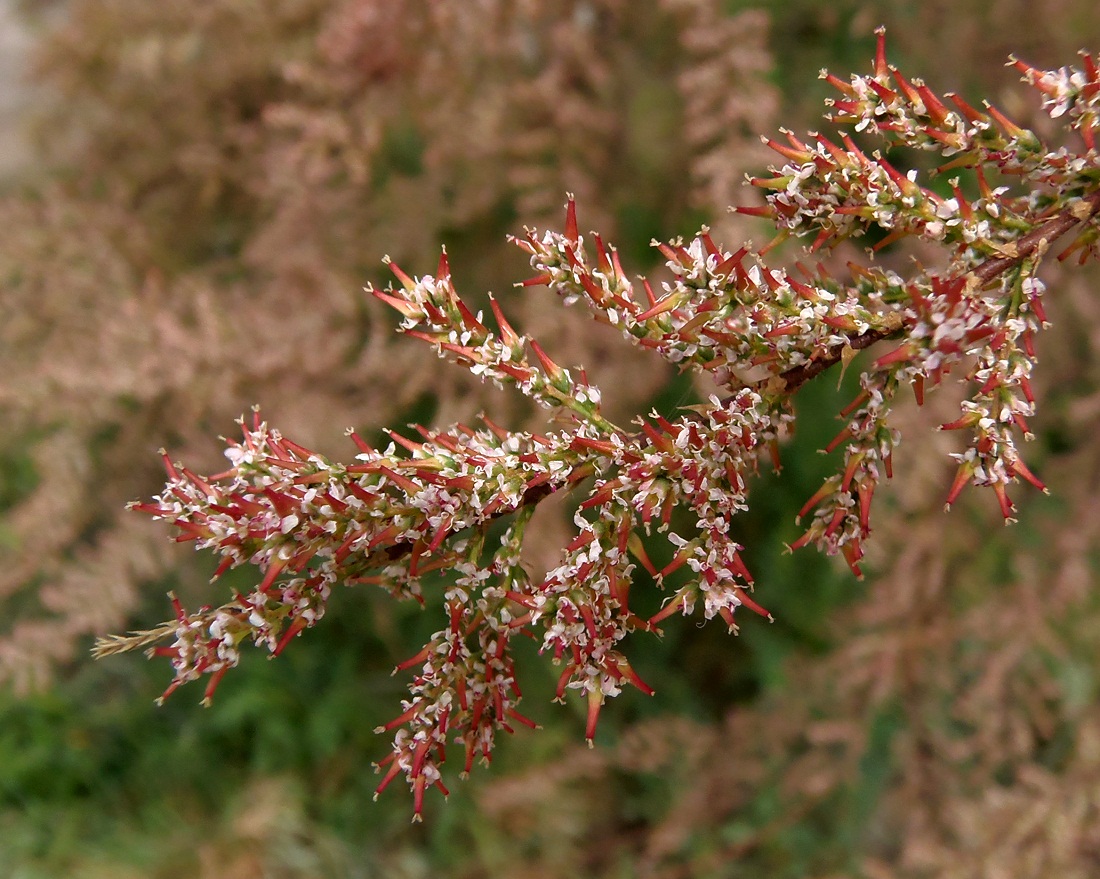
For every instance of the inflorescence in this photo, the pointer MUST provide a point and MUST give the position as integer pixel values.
(418, 513)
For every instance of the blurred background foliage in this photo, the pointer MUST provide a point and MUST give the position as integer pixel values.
(200, 192)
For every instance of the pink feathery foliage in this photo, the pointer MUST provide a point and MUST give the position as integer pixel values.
(425, 506)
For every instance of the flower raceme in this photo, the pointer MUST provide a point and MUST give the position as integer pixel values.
(419, 515)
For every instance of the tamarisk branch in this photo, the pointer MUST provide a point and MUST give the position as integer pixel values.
(414, 518)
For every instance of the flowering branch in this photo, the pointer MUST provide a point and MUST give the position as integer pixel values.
(419, 512)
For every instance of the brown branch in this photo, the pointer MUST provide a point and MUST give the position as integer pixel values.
(1034, 242)
(1039, 239)
(797, 376)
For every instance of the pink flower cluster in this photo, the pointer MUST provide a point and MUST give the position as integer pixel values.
(416, 516)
